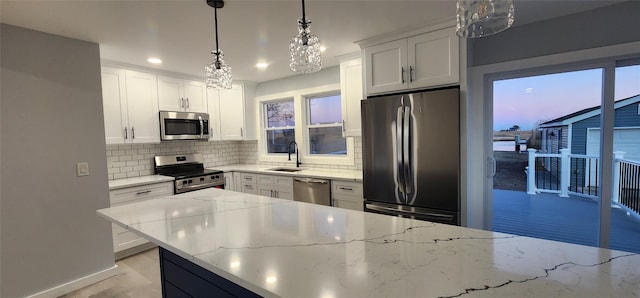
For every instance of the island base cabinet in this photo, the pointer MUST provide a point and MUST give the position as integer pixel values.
(182, 278)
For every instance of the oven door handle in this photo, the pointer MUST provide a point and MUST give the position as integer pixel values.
(201, 186)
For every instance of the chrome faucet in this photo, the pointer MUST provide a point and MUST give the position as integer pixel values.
(295, 148)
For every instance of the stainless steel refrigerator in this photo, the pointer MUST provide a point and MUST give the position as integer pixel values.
(411, 155)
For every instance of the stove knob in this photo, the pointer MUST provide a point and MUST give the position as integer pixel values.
(184, 182)
(201, 178)
(218, 176)
(214, 177)
(190, 181)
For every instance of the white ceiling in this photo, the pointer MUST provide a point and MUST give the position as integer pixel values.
(181, 33)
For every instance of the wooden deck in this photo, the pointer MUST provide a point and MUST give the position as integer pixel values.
(572, 219)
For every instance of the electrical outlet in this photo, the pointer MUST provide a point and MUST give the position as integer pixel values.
(82, 168)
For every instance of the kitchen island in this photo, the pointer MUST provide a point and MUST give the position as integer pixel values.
(280, 248)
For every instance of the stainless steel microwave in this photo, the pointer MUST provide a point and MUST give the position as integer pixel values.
(184, 126)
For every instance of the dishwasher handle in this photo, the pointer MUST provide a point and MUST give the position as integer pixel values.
(311, 180)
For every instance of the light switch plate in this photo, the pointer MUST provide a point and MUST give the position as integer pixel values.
(82, 168)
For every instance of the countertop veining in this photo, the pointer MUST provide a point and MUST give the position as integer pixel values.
(281, 248)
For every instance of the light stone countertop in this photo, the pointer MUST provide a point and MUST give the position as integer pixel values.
(138, 181)
(333, 174)
(281, 248)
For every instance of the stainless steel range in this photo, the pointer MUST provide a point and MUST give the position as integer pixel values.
(189, 172)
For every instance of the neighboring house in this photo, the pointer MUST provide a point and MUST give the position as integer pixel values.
(580, 131)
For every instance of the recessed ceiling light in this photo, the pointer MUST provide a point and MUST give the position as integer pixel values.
(262, 65)
(154, 60)
(323, 48)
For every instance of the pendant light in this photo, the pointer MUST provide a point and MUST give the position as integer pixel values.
(479, 18)
(304, 48)
(217, 72)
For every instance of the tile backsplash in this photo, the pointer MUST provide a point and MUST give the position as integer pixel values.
(133, 160)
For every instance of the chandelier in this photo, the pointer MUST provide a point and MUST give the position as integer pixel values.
(478, 18)
(304, 48)
(217, 72)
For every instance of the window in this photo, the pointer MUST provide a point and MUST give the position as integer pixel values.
(280, 125)
(324, 124)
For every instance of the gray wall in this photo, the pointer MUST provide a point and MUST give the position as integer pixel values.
(609, 25)
(51, 119)
(326, 76)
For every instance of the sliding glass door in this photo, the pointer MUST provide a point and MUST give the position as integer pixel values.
(566, 153)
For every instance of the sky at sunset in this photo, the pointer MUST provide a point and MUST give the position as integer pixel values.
(528, 101)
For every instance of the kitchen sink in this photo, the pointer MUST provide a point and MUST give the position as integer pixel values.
(290, 170)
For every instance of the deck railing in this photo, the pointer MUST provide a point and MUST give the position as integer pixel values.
(626, 182)
(578, 174)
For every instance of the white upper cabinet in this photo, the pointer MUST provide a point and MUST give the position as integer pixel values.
(233, 112)
(130, 103)
(114, 105)
(142, 107)
(181, 95)
(424, 60)
(351, 95)
(434, 59)
(213, 98)
(386, 66)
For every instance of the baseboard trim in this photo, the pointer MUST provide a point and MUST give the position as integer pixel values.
(77, 284)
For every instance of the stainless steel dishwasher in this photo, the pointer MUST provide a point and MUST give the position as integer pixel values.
(311, 190)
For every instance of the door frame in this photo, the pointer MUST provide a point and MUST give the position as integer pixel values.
(479, 126)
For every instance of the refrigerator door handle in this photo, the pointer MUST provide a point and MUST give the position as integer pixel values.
(438, 217)
(399, 173)
(405, 148)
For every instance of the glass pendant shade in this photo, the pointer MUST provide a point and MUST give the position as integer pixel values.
(304, 50)
(478, 18)
(217, 72)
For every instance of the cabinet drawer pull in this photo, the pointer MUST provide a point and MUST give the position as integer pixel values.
(143, 192)
(346, 188)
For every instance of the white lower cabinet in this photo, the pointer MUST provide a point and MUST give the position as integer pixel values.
(280, 187)
(229, 182)
(266, 185)
(248, 183)
(123, 239)
(348, 195)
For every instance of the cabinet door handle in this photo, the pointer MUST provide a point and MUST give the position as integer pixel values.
(402, 74)
(410, 74)
(181, 102)
(241, 132)
(133, 133)
(143, 192)
(343, 127)
(126, 134)
(187, 102)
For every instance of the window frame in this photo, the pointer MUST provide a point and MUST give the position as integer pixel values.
(301, 132)
(265, 125)
(307, 125)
